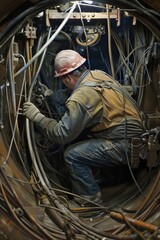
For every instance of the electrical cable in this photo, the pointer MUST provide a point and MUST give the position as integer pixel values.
(16, 217)
(13, 128)
(48, 42)
(127, 158)
(144, 215)
(20, 17)
(149, 195)
(69, 39)
(80, 225)
(151, 208)
(44, 173)
(39, 44)
(125, 138)
(139, 9)
(29, 95)
(135, 179)
(53, 170)
(104, 61)
(126, 59)
(145, 203)
(110, 43)
(21, 181)
(101, 7)
(31, 87)
(33, 156)
(42, 58)
(121, 53)
(143, 63)
(42, 39)
(19, 21)
(31, 218)
(147, 9)
(87, 49)
(136, 194)
(83, 25)
(142, 60)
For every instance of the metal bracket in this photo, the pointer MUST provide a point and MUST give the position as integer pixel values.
(54, 14)
(30, 32)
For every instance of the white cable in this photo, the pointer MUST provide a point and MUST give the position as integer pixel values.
(48, 42)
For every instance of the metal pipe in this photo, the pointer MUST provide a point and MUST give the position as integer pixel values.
(135, 222)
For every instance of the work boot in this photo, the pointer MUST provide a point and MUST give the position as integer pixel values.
(89, 200)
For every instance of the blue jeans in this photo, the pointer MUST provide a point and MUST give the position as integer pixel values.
(82, 156)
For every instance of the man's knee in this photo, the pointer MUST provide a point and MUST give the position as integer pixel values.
(68, 154)
(72, 153)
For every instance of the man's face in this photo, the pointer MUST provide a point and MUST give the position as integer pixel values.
(68, 81)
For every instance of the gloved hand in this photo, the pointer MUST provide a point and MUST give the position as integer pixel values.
(30, 110)
(41, 93)
(47, 92)
(43, 90)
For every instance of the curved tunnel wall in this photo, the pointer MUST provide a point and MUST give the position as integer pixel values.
(18, 190)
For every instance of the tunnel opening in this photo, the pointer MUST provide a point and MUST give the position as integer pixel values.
(35, 185)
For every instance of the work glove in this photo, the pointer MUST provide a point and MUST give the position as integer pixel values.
(45, 90)
(30, 110)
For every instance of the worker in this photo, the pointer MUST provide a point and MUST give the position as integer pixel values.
(99, 105)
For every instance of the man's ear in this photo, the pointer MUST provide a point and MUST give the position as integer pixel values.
(69, 78)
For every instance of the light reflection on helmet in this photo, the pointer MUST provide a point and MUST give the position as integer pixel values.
(66, 61)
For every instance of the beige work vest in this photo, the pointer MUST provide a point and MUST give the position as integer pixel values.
(117, 103)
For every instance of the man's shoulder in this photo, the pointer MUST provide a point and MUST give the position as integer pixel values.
(83, 91)
(85, 95)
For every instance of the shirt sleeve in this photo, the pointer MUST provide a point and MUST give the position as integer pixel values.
(83, 110)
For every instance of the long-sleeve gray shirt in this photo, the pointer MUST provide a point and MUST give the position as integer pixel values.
(84, 109)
